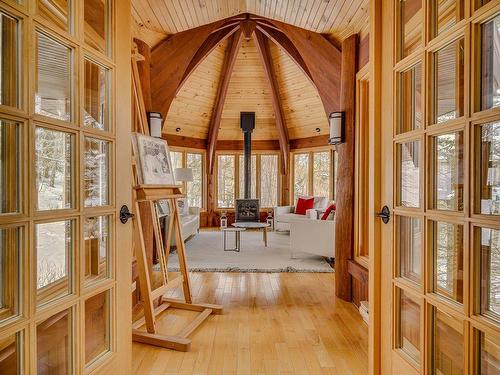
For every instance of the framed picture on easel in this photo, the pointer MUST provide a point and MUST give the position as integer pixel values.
(154, 165)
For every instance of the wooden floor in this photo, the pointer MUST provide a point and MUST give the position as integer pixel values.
(280, 323)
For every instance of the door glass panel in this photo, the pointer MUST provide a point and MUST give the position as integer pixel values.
(447, 355)
(96, 19)
(448, 171)
(253, 172)
(9, 61)
(54, 169)
(446, 14)
(480, 3)
(53, 78)
(490, 69)
(54, 344)
(97, 327)
(489, 265)
(55, 11)
(409, 247)
(96, 173)
(54, 259)
(488, 353)
(96, 112)
(300, 175)
(97, 248)
(409, 325)
(411, 22)
(10, 272)
(410, 101)
(449, 82)
(11, 356)
(448, 260)
(226, 181)
(409, 174)
(195, 188)
(489, 167)
(321, 174)
(268, 180)
(10, 169)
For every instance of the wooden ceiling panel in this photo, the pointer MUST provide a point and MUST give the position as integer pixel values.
(302, 106)
(192, 108)
(340, 18)
(248, 91)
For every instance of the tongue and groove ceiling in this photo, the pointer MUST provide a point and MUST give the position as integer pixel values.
(249, 89)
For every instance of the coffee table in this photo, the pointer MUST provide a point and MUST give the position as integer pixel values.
(254, 225)
(237, 238)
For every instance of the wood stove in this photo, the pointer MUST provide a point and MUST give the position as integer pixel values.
(247, 209)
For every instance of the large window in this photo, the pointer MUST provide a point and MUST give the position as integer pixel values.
(231, 179)
(194, 160)
(313, 174)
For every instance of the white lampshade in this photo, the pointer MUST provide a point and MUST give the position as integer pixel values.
(155, 122)
(336, 121)
(183, 174)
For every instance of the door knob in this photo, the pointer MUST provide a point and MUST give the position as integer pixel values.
(385, 214)
(125, 214)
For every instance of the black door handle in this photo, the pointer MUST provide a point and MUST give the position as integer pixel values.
(385, 214)
(125, 214)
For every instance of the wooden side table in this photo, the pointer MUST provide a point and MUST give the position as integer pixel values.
(237, 238)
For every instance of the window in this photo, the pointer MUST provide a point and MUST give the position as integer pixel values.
(487, 354)
(9, 61)
(490, 69)
(96, 111)
(410, 20)
(97, 326)
(264, 175)
(410, 106)
(10, 272)
(54, 342)
(409, 325)
(446, 14)
(409, 247)
(11, 361)
(54, 169)
(54, 259)
(447, 352)
(448, 167)
(10, 167)
(97, 239)
(488, 249)
(488, 201)
(449, 82)
(194, 160)
(312, 174)
(56, 12)
(53, 92)
(96, 172)
(269, 180)
(408, 193)
(448, 260)
(97, 24)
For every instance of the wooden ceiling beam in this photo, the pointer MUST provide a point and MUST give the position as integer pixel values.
(282, 41)
(175, 58)
(225, 76)
(265, 55)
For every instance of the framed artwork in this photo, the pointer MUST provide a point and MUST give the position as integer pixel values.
(154, 166)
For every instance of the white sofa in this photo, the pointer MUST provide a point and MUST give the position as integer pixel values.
(313, 237)
(190, 220)
(283, 215)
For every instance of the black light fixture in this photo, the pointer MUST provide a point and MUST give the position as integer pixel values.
(336, 121)
(155, 122)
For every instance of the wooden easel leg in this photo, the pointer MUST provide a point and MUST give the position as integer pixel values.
(181, 252)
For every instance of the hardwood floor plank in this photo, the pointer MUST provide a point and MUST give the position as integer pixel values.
(288, 323)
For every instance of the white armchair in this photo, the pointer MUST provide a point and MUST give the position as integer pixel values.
(313, 237)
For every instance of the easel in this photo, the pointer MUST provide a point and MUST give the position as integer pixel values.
(181, 342)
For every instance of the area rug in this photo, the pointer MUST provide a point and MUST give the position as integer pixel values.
(205, 254)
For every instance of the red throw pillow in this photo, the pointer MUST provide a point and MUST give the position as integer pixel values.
(303, 205)
(328, 210)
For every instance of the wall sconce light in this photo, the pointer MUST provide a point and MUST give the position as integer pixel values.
(155, 122)
(336, 121)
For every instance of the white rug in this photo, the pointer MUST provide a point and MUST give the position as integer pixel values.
(205, 253)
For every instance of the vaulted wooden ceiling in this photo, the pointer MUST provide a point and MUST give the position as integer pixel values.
(155, 19)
